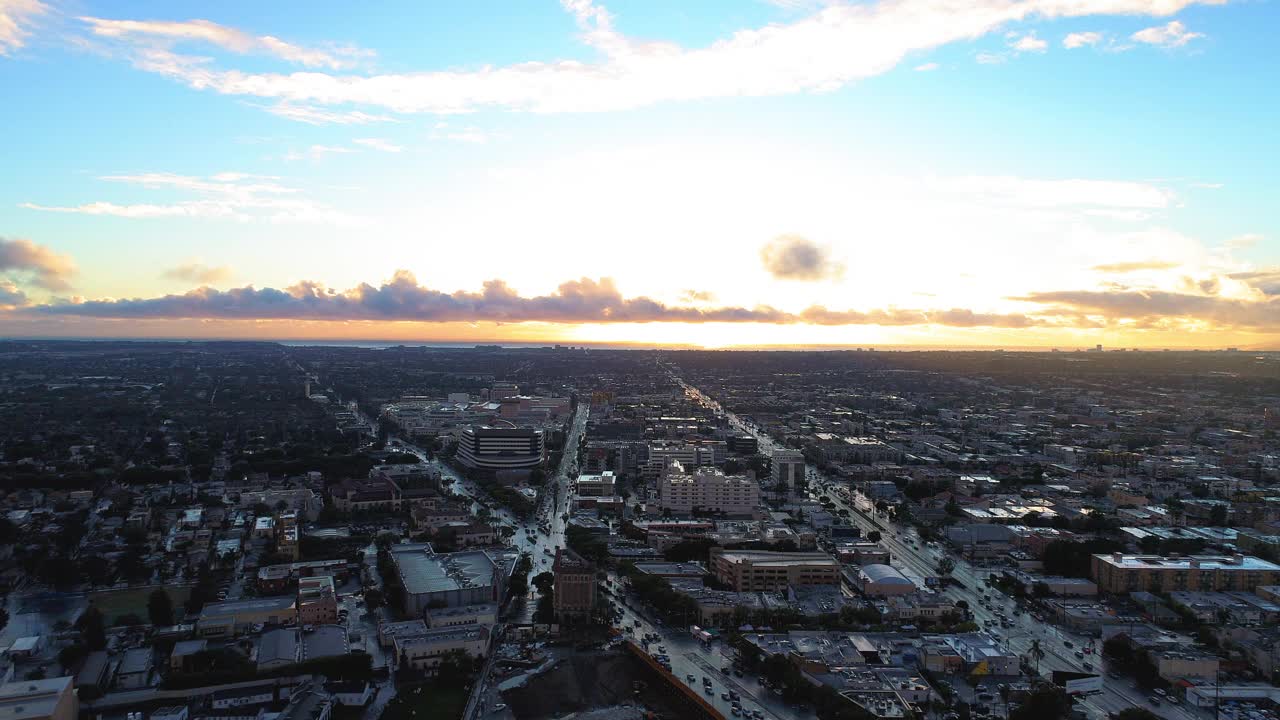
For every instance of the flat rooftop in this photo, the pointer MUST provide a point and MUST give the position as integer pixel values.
(425, 572)
(1206, 562)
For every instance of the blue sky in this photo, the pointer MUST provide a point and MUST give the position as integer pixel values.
(1102, 174)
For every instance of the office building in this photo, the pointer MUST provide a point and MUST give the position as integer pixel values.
(756, 570)
(501, 448)
(706, 490)
(1120, 573)
(788, 467)
(575, 586)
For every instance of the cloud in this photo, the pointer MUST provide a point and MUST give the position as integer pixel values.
(316, 152)
(11, 296)
(986, 58)
(1266, 282)
(1135, 266)
(826, 50)
(1170, 35)
(403, 299)
(227, 38)
(792, 257)
(1241, 242)
(46, 268)
(1159, 308)
(378, 144)
(1029, 43)
(226, 195)
(198, 273)
(927, 67)
(696, 296)
(16, 17)
(1081, 39)
(312, 115)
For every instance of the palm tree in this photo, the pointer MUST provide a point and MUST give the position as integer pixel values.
(1037, 652)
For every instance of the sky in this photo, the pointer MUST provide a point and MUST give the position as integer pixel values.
(937, 173)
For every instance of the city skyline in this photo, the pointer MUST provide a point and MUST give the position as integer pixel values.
(789, 173)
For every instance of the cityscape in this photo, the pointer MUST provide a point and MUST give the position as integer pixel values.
(639, 360)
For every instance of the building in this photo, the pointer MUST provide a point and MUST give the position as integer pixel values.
(788, 467)
(494, 448)
(1186, 664)
(753, 570)
(317, 601)
(706, 490)
(575, 586)
(880, 580)
(486, 614)
(135, 669)
(1120, 573)
(446, 580)
(423, 651)
(235, 617)
(52, 699)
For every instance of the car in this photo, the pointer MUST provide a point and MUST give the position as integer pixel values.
(724, 696)
(708, 690)
(735, 711)
(1153, 700)
(1113, 675)
(499, 707)
(734, 696)
(1067, 643)
(1161, 692)
(1088, 665)
(689, 678)
(1079, 655)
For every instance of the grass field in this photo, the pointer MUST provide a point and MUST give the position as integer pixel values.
(115, 604)
(427, 703)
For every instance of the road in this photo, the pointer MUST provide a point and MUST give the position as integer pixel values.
(910, 554)
(692, 657)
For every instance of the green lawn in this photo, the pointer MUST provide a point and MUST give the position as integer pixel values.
(427, 702)
(115, 604)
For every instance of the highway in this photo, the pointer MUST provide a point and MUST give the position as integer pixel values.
(912, 556)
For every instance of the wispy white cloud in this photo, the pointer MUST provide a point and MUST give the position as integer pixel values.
(198, 272)
(1029, 43)
(378, 144)
(927, 67)
(826, 50)
(227, 196)
(228, 38)
(987, 58)
(1170, 35)
(312, 115)
(317, 152)
(1081, 39)
(16, 17)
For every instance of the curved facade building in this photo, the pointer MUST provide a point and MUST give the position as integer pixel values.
(495, 448)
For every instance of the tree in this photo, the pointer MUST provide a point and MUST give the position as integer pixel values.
(946, 566)
(373, 599)
(160, 608)
(1037, 653)
(1046, 701)
(70, 656)
(543, 581)
(93, 629)
(873, 536)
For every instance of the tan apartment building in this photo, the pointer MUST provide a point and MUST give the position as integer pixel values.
(1120, 573)
(752, 570)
